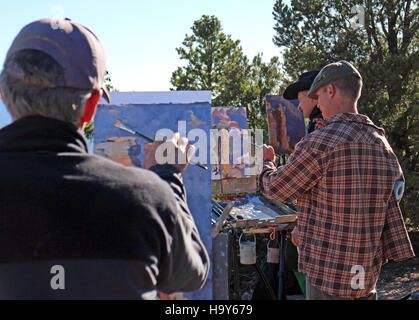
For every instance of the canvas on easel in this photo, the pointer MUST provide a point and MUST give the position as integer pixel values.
(286, 124)
(235, 171)
(186, 112)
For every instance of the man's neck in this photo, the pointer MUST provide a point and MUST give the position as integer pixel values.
(347, 107)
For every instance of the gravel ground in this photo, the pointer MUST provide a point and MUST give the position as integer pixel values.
(398, 279)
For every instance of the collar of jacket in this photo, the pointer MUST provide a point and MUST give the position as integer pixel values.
(316, 114)
(36, 133)
(353, 117)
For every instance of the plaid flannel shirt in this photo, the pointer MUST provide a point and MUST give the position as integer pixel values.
(343, 178)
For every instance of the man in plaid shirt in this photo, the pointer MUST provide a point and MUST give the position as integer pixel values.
(348, 184)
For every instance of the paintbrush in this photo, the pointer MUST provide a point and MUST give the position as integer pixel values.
(121, 126)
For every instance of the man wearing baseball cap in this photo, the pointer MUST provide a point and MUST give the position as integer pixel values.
(299, 91)
(75, 225)
(348, 184)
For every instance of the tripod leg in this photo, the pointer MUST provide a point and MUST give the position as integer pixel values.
(281, 275)
(265, 282)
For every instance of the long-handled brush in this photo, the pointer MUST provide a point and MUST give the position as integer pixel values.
(121, 126)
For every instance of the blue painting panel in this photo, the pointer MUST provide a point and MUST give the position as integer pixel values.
(5, 118)
(121, 146)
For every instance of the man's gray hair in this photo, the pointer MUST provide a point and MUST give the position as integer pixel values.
(28, 85)
(350, 86)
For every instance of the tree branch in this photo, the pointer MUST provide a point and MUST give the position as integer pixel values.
(373, 30)
(409, 30)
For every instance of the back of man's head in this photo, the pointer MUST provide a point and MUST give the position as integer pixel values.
(52, 71)
(350, 87)
(28, 88)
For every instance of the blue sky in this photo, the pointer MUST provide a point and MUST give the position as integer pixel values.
(141, 36)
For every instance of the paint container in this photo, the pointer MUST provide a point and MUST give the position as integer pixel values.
(247, 250)
(272, 255)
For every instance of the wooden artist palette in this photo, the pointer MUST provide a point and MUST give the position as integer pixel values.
(257, 212)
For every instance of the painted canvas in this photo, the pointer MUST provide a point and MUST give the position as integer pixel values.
(286, 124)
(234, 168)
(148, 119)
(234, 122)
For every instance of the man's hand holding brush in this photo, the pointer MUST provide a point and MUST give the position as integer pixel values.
(174, 151)
(268, 153)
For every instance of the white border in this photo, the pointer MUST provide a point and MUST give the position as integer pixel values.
(163, 97)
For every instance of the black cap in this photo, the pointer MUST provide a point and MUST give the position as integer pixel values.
(303, 84)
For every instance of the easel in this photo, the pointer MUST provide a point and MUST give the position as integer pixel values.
(282, 230)
(280, 225)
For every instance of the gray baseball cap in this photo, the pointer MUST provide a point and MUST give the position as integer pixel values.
(75, 48)
(333, 72)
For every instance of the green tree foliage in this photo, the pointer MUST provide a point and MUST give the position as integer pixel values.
(88, 130)
(216, 62)
(381, 39)
(211, 55)
(264, 79)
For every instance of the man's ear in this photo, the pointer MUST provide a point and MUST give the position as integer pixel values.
(331, 90)
(91, 106)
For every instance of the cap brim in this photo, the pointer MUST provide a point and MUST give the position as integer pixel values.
(313, 90)
(291, 93)
(106, 95)
(313, 96)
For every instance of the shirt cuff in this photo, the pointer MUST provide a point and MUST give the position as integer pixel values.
(268, 164)
(164, 170)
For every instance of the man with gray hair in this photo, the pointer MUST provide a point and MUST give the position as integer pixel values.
(348, 184)
(75, 225)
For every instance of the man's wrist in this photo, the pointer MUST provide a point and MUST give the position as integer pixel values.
(165, 169)
(267, 163)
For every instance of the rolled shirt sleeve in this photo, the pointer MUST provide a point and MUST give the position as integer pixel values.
(288, 182)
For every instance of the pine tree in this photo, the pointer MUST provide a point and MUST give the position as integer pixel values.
(216, 62)
(381, 39)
